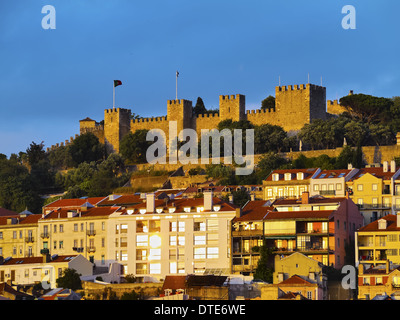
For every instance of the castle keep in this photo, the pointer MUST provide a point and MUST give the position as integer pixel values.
(295, 106)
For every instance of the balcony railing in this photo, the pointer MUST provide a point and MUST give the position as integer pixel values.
(91, 249)
(91, 232)
(327, 192)
(29, 239)
(247, 233)
(44, 235)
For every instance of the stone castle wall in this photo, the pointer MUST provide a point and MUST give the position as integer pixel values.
(294, 107)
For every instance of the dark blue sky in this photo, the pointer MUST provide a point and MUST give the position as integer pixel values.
(51, 79)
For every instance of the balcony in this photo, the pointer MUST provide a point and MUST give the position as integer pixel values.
(45, 235)
(77, 249)
(91, 233)
(91, 249)
(247, 233)
(29, 240)
(327, 192)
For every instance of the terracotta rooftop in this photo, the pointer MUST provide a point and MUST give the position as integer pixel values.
(36, 260)
(180, 204)
(90, 212)
(6, 212)
(286, 215)
(307, 173)
(311, 200)
(328, 174)
(377, 172)
(73, 203)
(254, 211)
(121, 200)
(373, 226)
(295, 280)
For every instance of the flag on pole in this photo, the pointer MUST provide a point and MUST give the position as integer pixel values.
(117, 83)
(177, 74)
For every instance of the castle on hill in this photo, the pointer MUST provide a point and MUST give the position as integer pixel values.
(295, 106)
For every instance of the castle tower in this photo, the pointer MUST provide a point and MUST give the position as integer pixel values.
(116, 126)
(180, 111)
(299, 104)
(232, 107)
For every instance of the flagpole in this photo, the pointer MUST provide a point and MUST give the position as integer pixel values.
(113, 95)
(177, 85)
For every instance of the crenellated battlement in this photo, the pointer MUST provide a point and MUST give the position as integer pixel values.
(117, 110)
(259, 111)
(208, 115)
(331, 103)
(296, 87)
(151, 119)
(231, 97)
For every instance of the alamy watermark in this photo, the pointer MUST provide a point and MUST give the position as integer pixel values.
(49, 20)
(185, 147)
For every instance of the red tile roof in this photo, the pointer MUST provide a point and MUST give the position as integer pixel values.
(307, 173)
(180, 204)
(295, 280)
(30, 219)
(174, 282)
(36, 260)
(90, 212)
(254, 211)
(73, 203)
(286, 215)
(377, 172)
(122, 200)
(390, 226)
(311, 200)
(6, 212)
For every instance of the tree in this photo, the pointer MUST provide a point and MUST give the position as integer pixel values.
(133, 146)
(268, 103)
(264, 271)
(199, 108)
(367, 108)
(69, 280)
(35, 153)
(86, 148)
(268, 137)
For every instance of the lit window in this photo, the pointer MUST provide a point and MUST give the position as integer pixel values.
(212, 253)
(155, 268)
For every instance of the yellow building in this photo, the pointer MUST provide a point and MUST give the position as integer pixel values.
(296, 276)
(379, 241)
(380, 281)
(18, 235)
(290, 183)
(83, 231)
(373, 190)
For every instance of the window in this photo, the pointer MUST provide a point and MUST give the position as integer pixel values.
(212, 225)
(103, 242)
(360, 202)
(155, 254)
(269, 193)
(142, 240)
(173, 267)
(199, 240)
(212, 239)
(181, 240)
(61, 228)
(199, 253)
(212, 253)
(124, 228)
(288, 176)
(172, 240)
(61, 244)
(338, 186)
(300, 176)
(155, 268)
(75, 227)
(141, 254)
(103, 226)
(360, 187)
(14, 234)
(374, 202)
(199, 226)
(142, 226)
(1, 235)
(309, 295)
(374, 187)
(275, 177)
(55, 245)
(55, 228)
(316, 187)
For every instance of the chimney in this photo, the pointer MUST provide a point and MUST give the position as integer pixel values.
(385, 166)
(208, 201)
(46, 256)
(392, 166)
(305, 198)
(387, 266)
(230, 197)
(150, 202)
(252, 197)
(360, 269)
(398, 219)
(349, 166)
(238, 212)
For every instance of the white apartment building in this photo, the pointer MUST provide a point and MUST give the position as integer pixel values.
(169, 237)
